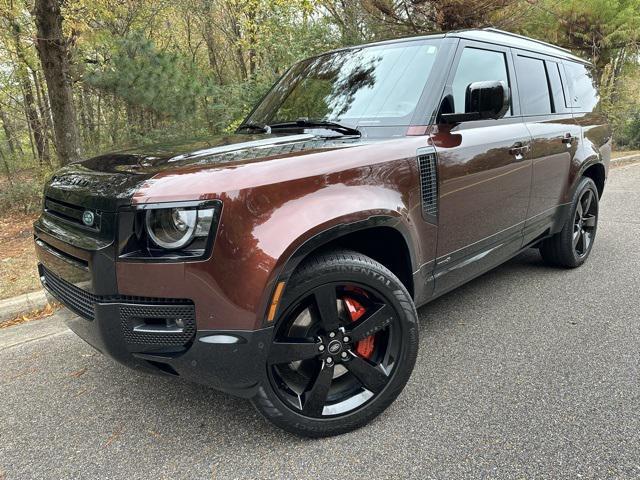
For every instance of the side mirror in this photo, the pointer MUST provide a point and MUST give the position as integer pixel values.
(483, 101)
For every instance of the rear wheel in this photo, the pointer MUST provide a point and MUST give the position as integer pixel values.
(572, 245)
(343, 348)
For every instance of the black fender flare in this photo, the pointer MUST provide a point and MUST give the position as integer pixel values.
(325, 237)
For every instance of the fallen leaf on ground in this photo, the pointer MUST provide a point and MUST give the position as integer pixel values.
(37, 314)
(114, 436)
(22, 373)
(79, 373)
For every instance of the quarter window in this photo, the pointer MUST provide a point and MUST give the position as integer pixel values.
(533, 86)
(477, 65)
(582, 86)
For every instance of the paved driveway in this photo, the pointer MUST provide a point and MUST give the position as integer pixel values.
(525, 372)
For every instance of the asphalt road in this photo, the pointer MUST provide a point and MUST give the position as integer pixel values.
(526, 372)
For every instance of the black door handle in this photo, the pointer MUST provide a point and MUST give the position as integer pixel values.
(519, 149)
(516, 148)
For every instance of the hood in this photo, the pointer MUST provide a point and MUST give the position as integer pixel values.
(109, 181)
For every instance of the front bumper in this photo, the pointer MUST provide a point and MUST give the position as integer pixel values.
(159, 335)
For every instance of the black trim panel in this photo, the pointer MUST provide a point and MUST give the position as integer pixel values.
(335, 233)
(457, 268)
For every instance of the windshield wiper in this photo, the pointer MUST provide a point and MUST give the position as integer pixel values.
(306, 123)
(262, 128)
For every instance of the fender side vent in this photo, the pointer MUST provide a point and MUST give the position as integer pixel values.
(428, 184)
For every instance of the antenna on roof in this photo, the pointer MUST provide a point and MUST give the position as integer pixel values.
(503, 32)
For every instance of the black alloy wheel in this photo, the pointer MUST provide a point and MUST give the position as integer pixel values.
(571, 246)
(343, 348)
(320, 360)
(584, 223)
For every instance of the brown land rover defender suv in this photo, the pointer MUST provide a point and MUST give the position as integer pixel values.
(284, 263)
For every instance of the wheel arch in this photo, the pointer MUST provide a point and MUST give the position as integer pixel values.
(592, 167)
(596, 172)
(397, 251)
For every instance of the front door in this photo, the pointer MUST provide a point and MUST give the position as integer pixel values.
(484, 172)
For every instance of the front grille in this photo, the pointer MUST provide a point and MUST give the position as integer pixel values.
(71, 213)
(134, 312)
(74, 298)
(428, 184)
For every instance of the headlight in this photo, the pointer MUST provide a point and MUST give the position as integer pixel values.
(174, 228)
(171, 232)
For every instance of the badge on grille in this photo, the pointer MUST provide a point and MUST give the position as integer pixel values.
(88, 218)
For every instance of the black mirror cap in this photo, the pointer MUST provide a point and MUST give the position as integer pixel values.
(489, 99)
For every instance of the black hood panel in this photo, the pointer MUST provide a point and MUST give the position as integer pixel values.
(78, 185)
(109, 181)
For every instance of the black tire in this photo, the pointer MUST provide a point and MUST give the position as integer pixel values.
(572, 245)
(394, 337)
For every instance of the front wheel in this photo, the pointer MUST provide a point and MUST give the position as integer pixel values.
(343, 348)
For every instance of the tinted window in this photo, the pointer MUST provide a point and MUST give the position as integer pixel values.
(533, 86)
(582, 86)
(477, 66)
(378, 85)
(555, 82)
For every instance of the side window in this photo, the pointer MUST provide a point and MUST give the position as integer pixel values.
(582, 85)
(477, 65)
(555, 82)
(533, 86)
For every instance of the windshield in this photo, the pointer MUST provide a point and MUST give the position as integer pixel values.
(378, 85)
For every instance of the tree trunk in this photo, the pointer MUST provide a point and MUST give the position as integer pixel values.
(6, 167)
(84, 121)
(212, 50)
(98, 120)
(34, 122)
(44, 113)
(48, 121)
(12, 142)
(239, 50)
(88, 105)
(54, 55)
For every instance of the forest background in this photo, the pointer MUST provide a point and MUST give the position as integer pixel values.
(81, 77)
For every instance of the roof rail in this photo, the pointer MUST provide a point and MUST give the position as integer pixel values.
(503, 32)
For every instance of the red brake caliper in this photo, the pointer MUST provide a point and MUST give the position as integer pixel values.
(365, 347)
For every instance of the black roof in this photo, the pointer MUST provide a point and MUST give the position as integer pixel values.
(495, 36)
(508, 39)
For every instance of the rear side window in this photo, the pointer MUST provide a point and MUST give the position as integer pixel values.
(533, 85)
(477, 65)
(582, 87)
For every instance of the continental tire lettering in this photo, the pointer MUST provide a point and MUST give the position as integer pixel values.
(366, 271)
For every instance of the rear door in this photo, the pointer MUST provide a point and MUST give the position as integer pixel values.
(554, 132)
(484, 172)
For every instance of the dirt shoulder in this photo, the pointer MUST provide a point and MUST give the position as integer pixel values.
(624, 153)
(18, 272)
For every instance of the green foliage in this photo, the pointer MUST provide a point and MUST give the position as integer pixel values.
(229, 104)
(21, 195)
(146, 71)
(161, 91)
(607, 32)
(140, 74)
(629, 133)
